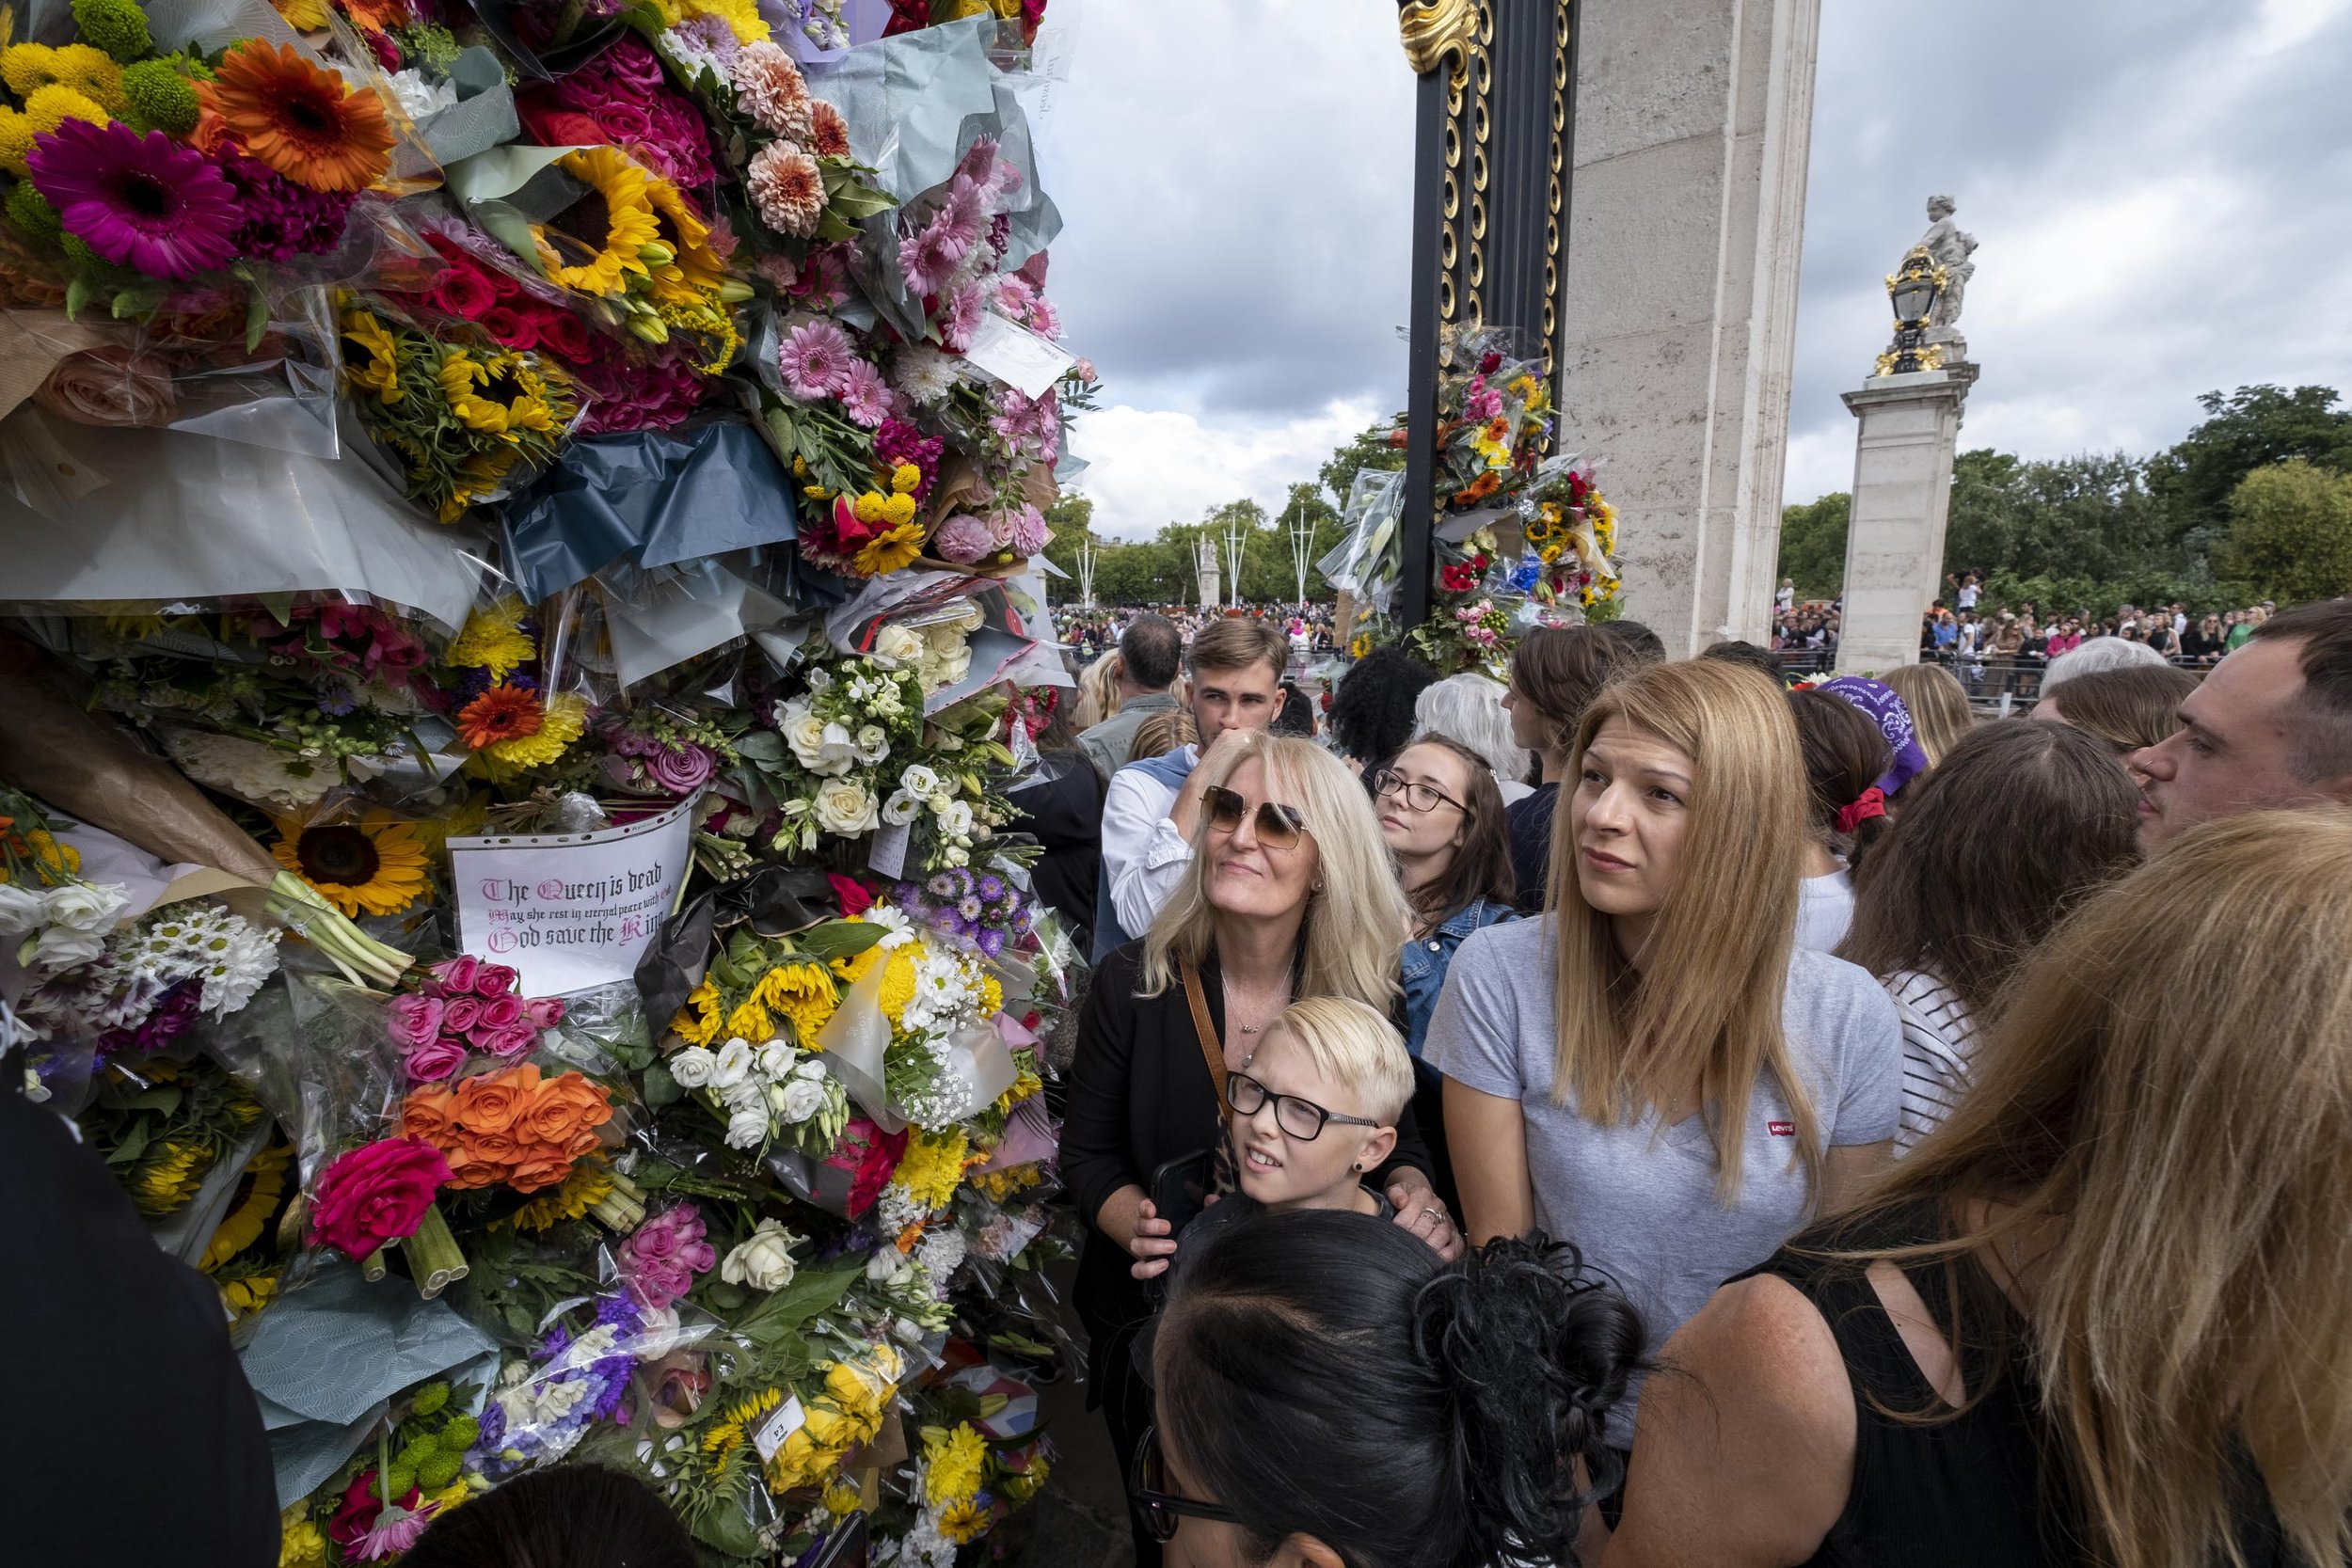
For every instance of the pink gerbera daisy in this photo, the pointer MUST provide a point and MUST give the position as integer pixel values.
(815, 359)
(962, 215)
(928, 260)
(963, 317)
(865, 396)
(143, 202)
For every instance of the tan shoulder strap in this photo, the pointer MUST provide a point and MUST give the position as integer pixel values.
(1212, 1049)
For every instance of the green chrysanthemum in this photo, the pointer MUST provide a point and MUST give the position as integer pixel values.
(33, 218)
(160, 98)
(117, 26)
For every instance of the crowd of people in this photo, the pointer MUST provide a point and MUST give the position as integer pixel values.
(1641, 1113)
(1962, 628)
(1091, 631)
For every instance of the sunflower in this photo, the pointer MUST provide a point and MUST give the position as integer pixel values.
(592, 244)
(375, 363)
(375, 866)
(499, 394)
(477, 476)
(695, 271)
(170, 1179)
(728, 1432)
(300, 118)
(501, 713)
(266, 1178)
(303, 16)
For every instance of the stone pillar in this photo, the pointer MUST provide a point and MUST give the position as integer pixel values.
(1902, 494)
(1694, 122)
(1212, 580)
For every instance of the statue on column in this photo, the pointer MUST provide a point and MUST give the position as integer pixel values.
(1952, 248)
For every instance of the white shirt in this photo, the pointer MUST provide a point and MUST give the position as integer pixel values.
(1514, 791)
(1785, 598)
(1144, 856)
(1824, 909)
(1939, 1042)
(1967, 596)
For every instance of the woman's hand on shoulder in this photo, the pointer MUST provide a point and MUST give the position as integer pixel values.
(1421, 1210)
(1743, 1455)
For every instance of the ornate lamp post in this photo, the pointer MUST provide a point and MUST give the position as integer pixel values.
(1913, 289)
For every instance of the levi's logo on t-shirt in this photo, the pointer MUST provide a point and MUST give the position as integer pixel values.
(1781, 1129)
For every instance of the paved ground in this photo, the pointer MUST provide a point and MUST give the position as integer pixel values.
(1080, 1519)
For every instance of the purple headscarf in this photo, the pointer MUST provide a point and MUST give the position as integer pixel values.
(1882, 706)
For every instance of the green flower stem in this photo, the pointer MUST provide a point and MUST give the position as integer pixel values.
(622, 1209)
(435, 1260)
(361, 957)
(373, 1266)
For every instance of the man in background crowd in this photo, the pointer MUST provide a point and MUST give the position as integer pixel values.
(1150, 651)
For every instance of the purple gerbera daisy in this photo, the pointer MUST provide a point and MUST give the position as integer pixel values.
(815, 359)
(143, 202)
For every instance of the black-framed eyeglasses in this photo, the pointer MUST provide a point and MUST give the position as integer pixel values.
(1162, 1510)
(1279, 826)
(1302, 1119)
(1421, 796)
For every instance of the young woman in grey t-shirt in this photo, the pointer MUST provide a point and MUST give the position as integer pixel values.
(1653, 1072)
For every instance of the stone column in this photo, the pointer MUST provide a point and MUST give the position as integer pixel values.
(1694, 120)
(1212, 577)
(1902, 494)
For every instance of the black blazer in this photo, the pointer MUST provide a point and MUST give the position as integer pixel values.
(1140, 1095)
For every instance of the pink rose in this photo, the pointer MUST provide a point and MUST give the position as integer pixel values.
(493, 980)
(455, 975)
(545, 1012)
(413, 1021)
(111, 385)
(500, 1013)
(377, 1193)
(654, 1243)
(509, 1042)
(434, 1060)
(460, 1014)
(679, 769)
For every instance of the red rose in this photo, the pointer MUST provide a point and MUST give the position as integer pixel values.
(377, 1193)
(552, 127)
(462, 291)
(358, 1512)
(854, 900)
(1488, 365)
(510, 327)
(562, 333)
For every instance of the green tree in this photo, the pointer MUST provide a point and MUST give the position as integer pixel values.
(2290, 532)
(1370, 449)
(1813, 544)
(1072, 519)
(2251, 428)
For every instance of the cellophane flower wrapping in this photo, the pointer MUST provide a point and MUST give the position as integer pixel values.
(435, 321)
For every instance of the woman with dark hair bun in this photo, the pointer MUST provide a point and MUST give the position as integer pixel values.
(1372, 708)
(1332, 1394)
(568, 1516)
(1844, 757)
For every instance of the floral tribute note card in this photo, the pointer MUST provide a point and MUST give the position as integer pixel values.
(569, 910)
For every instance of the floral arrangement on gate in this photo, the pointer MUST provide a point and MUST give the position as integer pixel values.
(761, 1220)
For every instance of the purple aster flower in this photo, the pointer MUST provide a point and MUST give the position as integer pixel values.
(991, 942)
(946, 921)
(991, 887)
(336, 701)
(941, 886)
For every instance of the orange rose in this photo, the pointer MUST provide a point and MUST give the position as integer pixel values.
(582, 1142)
(427, 1115)
(568, 1107)
(470, 1174)
(539, 1173)
(490, 1103)
(491, 1148)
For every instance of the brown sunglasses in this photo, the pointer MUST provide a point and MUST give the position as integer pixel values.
(1280, 827)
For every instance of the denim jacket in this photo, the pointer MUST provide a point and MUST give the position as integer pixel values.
(1425, 961)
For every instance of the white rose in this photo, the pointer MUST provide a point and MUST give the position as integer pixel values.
(803, 732)
(897, 645)
(747, 1129)
(776, 1058)
(873, 744)
(844, 806)
(692, 1067)
(20, 909)
(751, 1094)
(801, 1100)
(838, 752)
(83, 906)
(764, 1261)
(902, 808)
(918, 780)
(734, 1061)
(63, 947)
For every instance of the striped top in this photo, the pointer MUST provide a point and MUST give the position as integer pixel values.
(1938, 1044)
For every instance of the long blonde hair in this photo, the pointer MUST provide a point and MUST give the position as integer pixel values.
(1098, 690)
(2176, 1095)
(1705, 1012)
(1354, 926)
(1940, 714)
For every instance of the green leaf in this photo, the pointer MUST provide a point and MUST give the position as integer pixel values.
(838, 939)
(163, 1096)
(785, 1312)
(255, 320)
(134, 1145)
(77, 294)
(660, 1088)
(762, 746)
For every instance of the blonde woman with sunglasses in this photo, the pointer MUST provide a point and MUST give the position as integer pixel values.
(1289, 893)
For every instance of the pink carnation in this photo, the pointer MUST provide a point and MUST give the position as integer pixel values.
(815, 359)
(375, 1194)
(1028, 530)
(962, 539)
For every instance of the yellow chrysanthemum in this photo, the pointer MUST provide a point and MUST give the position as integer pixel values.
(889, 551)
(375, 866)
(751, 1021)
(906, 478)
(998, 1185)
(29, 66)
(952, 1465)
(587, 1186)
(899, 510)
(932, 1167)
(598, 257)
(1024, 1085)
(45, 109)
(992, 996)
(377, 366)
(966, 1522)
(741, 16)
(698, 1022)
(300, 1542)
(243, 1226)
(566, 720)
(898, 984)
(695, 271)
(493, 640)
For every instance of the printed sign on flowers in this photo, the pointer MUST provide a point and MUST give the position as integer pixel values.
(569, 910)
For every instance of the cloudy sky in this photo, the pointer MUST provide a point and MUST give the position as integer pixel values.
(2157, 186)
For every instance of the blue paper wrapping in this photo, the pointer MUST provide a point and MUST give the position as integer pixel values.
(651, 499)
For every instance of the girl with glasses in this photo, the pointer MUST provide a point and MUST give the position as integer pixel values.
(1332, 1394)
(1289, 892)
(1654, 1069)
(1441, 817)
